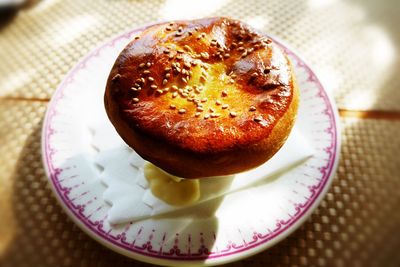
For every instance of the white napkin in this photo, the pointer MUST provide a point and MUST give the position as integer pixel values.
(128, 192)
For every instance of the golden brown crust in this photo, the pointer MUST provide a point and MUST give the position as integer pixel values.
(202, 98)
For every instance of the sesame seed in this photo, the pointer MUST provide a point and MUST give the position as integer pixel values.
(186, 47)
(166, 89)
(178, 34)
(215, 115)
(200, 109)
(182, 111)
(172, 106)
(234, 44)
(164, 82)
(180, 51)
(233, 76)
(148, 64)
(135, 100)
(240, 43)
(167, 69)
(146, 72)
(225, 106)
(171, 56)
(212, 110)
(187, 64)
(206, 116)
(174, 87)
(184, 95)
(258, 119)
(227, 55)
(254, 74)
(194, 63)
(203, 78)
(252, 108)
(197, 114)
(166, 51)
(168, 28)
(153, 86)
(224, 93)
(205, 55)
(151, 79)
(117, 76)
(141, 65)
(184, 72)
(159, 91)
(233, 114)
(203, 100)
(167, 75)
(184, 80)
(218, 102)
(244, 54)
(174, 95)
(240, 48)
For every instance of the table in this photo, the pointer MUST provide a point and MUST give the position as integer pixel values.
(352, 45)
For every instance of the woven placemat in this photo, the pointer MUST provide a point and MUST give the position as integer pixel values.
(357, 224)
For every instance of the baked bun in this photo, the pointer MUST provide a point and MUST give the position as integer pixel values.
(202, 98)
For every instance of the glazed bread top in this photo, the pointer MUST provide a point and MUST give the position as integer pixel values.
(204, 86)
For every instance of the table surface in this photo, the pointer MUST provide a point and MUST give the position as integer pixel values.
(351, 44)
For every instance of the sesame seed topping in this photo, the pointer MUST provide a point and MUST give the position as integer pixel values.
(186, 47)
(182, 111)
(184, 80)
(224, 93)
(117, 76)
(244, 54)
(204, 100)
(215, 115)
(174, 95)
(166, 89)
(174, 87)
(159, 91)
(167, 69)
(164, 82)
(187, 64)
(180, 51)
(153, 86)
(233, 76)
(141, 65)
(225, 106)
(146, 72)
(227, 55)
(233, 114)
(254, 74)
(206, 116)
(135, 100)
(197, 114)
(168, 28)
(212, 110)
(171, 56)
(167, 75)
(205, 55)
(218, 102)
(148, 64)
(240, 48)
(252, 108)
(172, 106)
(258, 119)
(200, 109)
(151, 79)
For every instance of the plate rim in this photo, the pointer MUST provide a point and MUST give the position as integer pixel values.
(222, 259)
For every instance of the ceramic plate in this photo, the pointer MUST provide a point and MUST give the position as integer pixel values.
(236, 229)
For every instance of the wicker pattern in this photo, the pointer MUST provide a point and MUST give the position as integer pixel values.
(357, 223)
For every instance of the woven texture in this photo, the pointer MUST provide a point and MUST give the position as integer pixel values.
(352, 45)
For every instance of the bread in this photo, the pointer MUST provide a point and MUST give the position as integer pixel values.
(202, 98)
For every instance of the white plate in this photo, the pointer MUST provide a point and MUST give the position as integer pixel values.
(234, 231)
